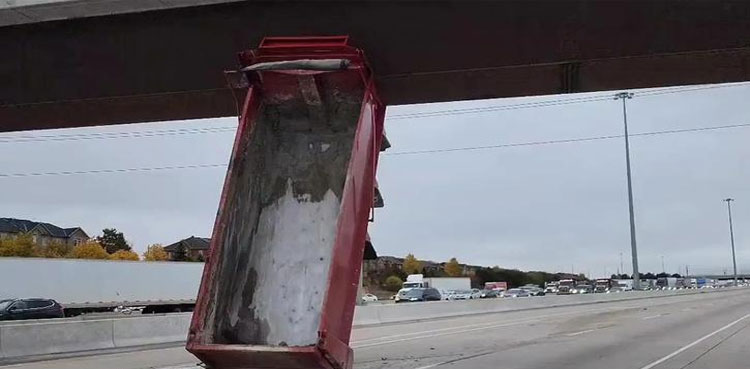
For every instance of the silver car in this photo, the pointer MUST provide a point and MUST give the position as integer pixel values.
(516, 292)
(459, 295)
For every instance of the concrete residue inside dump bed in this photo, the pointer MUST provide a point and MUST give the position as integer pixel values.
(281, 224)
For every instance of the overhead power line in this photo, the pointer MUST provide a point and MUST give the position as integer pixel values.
(106, 171)
(533, 143)
(555, 102)
(484, 109)
(113, 135)
(674, 90)
(425, 114)
(570, 140)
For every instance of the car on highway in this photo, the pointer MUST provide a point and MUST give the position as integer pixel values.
(616, 289)
(368, 297)
(566, 287)
(551, 287)
(418, 294)
(534, 290)
(475, 293)
(458, 295)
(488, 294)
(36, 308)
(516, 292)
(583, 288)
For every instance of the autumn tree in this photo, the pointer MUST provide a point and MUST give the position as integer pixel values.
(453, 269)
(56, 249)
(155, 252)
(411, 264)
(89, 250)
(4, 247)
(20, 246)
(393, 283)
(112, 240)
(124, 255)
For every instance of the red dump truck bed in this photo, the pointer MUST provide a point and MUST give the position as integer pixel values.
(279, 286)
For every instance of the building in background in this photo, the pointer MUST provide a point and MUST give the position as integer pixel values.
(195, 248)
(42, 233)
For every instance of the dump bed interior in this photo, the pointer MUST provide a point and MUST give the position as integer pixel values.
(281, 214)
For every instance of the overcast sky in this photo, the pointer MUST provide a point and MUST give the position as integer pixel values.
(552, 207)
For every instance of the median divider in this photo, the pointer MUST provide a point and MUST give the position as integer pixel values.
(34, 340)
(376, 314)
(149, 330)
(54, 337)
(49, 337)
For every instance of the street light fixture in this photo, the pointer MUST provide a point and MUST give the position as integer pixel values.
(634, 251)
(731, 237)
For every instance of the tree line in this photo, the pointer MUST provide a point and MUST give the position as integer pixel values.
(111, 245)
(392, 278)
(648, 275)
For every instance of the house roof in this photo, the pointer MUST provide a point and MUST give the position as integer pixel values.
(202, 243)
(191, 243)
(13, 225)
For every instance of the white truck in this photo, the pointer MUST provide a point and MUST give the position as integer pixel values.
(442, 284)
(82, 286)
(551, 287)
(623, 284)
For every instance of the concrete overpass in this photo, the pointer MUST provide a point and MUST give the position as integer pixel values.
(73, 63)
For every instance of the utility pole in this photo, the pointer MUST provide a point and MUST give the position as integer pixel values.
(731, 237)
(662, 265)
(634, 250)
(687, 271)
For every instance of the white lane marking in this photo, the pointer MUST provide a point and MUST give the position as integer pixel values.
(579, 333)
(480, 326)
(443, 334)
(651, 317)
(430, 331)
(429, 366)
(699, 340)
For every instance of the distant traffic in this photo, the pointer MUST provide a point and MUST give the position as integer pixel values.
(417, 288)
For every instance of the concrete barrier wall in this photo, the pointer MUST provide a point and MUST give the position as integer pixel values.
(53, 337)
(151, 330)
(56, 337)
(43, 337)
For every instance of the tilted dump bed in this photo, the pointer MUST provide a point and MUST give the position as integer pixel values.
(279, 286)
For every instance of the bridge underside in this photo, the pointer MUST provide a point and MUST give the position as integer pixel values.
(168, 64)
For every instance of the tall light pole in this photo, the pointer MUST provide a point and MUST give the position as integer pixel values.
(731, 237)
(622, 268)
(634, 250)
(662, 265)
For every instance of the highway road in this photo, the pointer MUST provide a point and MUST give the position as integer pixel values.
(693, 331)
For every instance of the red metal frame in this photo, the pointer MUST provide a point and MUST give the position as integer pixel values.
(332, 350)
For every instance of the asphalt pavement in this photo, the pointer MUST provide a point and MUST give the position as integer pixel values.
(687, 332)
